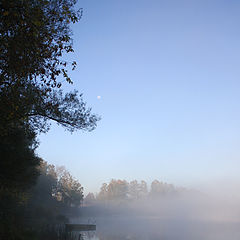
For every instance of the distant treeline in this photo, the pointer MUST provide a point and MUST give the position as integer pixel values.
(120, 198)
(120, 191)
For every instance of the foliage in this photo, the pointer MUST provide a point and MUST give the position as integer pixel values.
(18, 172)
(69, 190)
(29, 105)
(116, 190)
(137, 190)
(34, 35)
(45, 200)
(120, 190)
(159, 189)
(56, 187)
(90, 199)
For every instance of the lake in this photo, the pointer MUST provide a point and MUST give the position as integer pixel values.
(127, 228)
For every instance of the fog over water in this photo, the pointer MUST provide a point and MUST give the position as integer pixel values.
(189, 216)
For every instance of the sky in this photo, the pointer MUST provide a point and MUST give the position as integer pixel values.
(164, 77)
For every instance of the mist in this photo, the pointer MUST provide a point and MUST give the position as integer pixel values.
(182, 214)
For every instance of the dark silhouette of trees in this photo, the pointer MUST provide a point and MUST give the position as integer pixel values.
(18, 160)
(41, 206)
(34, 37)
(54, 194)
(17, 174)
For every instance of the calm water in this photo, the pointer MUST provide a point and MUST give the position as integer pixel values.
(113, 228)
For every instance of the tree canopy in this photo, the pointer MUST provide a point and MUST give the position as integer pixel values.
(34, 36)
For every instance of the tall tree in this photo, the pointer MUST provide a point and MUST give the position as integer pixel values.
(34, 37)
(18, 173)
(116, 190)
(69, 189)
(103, 194)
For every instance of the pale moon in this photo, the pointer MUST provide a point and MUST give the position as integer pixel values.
(98, 97)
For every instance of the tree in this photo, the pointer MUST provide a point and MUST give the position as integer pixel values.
(42, 201)
(34, 35)
(137, 190)
(18, 173)
(134, 190)
(69, 189)
(116, 190)
(89, 199)
(55, 194)
(159, 189)
(103, 194)
(143, 189)
(18, 161)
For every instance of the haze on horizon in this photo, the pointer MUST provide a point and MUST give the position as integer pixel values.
(164, 77)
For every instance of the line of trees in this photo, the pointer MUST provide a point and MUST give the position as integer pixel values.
(120, 191)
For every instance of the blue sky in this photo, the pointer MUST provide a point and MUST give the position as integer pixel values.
(168, 76)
